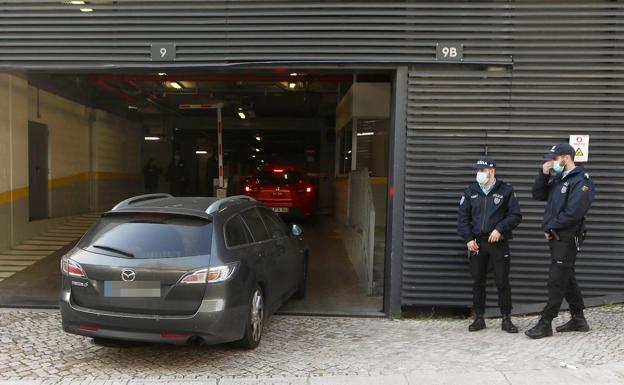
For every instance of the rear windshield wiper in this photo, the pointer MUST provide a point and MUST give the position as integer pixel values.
(118, 251)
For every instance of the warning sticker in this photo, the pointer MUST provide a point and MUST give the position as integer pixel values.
(581, 147)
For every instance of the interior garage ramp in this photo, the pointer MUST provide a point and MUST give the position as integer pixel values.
(112, 136)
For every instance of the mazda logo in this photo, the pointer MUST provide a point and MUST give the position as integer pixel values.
(127, 275)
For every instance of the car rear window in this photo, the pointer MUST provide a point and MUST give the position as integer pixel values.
(279, 178)
(149, 236)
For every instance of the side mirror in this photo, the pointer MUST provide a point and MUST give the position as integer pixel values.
(296, 230)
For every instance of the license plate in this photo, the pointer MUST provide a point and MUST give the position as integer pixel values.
(280, 209)
(132, 289)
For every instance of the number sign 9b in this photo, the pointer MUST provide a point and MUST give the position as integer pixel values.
(449, 52)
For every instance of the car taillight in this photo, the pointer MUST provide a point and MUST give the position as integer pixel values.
(307, 189)
(210, 275)
(174, 336)
(71, 268)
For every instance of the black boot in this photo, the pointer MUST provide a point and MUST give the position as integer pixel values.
(507, 325)
(477, 324)
(577, 323)
(541, 330)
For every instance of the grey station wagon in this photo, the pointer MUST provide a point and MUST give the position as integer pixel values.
(163, 269)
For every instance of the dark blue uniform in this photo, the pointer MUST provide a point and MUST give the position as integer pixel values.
(478, 215)
(569, 199)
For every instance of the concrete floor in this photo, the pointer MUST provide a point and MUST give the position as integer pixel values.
(333, 285)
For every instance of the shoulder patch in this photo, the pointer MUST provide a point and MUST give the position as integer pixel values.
(585, 188)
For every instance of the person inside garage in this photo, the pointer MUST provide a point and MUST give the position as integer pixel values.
(151, 173)
(569, 192)
(177, 175)
(212, 171)
(488, 213)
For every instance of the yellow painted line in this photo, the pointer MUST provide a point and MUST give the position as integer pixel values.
(12, 195)
(70, 179)
(378, 180)
(22, 192)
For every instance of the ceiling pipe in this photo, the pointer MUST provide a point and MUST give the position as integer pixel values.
(103, 84)
(223, 78)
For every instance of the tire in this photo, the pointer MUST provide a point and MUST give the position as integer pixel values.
(255, 322)
(303, 282)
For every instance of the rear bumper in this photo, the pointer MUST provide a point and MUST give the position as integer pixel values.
(214, 322)
(295, 207)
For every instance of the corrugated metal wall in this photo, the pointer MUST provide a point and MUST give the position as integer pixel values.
(55, 34)
(567, 77)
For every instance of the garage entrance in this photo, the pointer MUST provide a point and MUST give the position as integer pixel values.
(112, 136)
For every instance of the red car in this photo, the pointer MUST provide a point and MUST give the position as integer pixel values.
(286, 189)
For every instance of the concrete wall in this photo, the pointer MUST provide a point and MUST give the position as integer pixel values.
(93, 158)
(116, 159)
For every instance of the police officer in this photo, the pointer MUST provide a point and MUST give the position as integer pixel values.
(569, 192)
(488, 212)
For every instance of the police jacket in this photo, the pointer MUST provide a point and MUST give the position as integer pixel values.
(569, 198)
(480, 214)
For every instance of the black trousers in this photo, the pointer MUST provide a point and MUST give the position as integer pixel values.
(561, 277)
(499, 254)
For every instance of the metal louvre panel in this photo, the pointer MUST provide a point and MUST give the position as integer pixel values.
(445, 134)
(53, 34)
(567, 78)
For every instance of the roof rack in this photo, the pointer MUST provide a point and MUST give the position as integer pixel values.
(140, 198)
(216, 205)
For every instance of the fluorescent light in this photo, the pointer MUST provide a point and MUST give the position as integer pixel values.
(152, 138)
(175, 85)
(257, 150)
(365, 133)
(77, 2)
(162, 73)
(201, 152)
(292, 86)
(133, 107)
(241, 115)
(253, 156)
(293, 74)
(258, 138)
(86, 9)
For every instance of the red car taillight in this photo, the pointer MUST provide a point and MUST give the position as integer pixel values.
(71, 268)
(305, 189)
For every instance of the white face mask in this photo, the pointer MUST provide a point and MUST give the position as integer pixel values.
(482, 177)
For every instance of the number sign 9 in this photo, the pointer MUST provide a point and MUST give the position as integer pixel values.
(163, 52)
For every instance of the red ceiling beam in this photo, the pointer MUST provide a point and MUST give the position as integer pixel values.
(226, 78)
